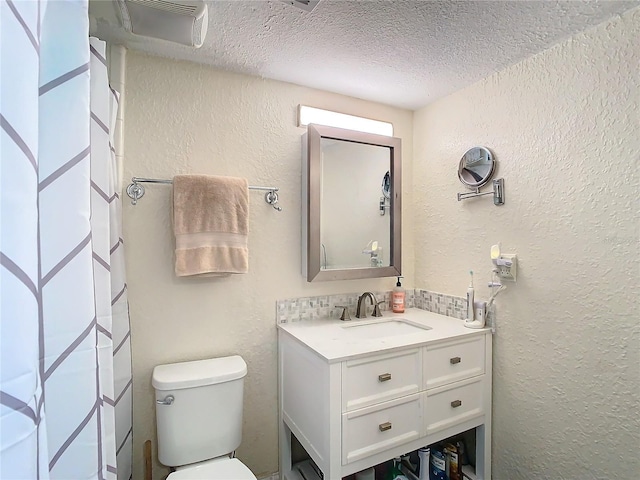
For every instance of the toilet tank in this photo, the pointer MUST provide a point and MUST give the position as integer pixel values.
(204, 418)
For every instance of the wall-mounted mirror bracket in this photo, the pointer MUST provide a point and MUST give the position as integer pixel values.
(498, 192)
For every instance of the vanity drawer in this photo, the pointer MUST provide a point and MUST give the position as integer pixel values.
(451, 362)
(378, 428)
(453, 404)
(376, 379)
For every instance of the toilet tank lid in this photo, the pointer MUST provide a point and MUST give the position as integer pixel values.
(176, 376)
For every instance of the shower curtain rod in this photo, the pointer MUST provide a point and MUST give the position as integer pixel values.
(136, 191)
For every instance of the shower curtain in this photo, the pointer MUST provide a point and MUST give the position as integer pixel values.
(65, 359)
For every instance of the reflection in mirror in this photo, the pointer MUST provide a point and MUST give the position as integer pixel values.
(346, 235)
(386, 185)
(350, 175)
(476, 167)
(385, 204)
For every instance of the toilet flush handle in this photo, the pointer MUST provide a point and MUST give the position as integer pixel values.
(168, 400)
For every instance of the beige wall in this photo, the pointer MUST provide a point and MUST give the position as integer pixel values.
(564, 128)
(187, 118)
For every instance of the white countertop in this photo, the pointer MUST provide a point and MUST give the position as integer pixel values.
(332, 341)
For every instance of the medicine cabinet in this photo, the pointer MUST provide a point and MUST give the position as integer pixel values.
(351, 205)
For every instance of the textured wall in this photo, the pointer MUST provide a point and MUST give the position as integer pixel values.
(186, 118)
(564, 127)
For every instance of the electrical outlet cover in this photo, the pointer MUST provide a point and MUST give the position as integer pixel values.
(509, 273)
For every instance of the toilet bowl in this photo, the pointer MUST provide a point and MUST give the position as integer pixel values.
(199, 418)
(220, 468)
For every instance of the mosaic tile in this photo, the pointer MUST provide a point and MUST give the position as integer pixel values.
(313, 308)
(441, 303)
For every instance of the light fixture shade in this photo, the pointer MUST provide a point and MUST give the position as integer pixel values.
(178, 21)
(307, 115)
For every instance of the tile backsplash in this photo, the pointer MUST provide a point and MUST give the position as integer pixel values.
(312, 308)
(441, 303)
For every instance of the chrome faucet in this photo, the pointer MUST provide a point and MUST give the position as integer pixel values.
(362, 312)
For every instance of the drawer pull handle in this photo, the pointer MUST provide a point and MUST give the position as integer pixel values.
(384, 377)
(456, 403)
(454, 360)
(383, 427)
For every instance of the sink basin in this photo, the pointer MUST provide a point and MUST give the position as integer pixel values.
(383, 327)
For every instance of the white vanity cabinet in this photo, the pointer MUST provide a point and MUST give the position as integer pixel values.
(353, 404)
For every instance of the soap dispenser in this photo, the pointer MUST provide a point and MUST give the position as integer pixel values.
(398, 298)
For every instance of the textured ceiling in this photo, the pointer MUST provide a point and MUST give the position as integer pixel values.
(403, 53)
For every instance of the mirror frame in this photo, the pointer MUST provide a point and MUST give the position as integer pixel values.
(315, 133)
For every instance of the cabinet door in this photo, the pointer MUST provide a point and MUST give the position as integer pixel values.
(379, 378)
(451, 362)
(375, 429)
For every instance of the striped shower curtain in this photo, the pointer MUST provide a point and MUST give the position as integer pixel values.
(65, 361)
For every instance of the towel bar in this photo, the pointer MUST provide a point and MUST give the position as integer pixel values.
(136, 191)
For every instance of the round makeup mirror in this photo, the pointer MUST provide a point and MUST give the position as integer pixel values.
(476, 167)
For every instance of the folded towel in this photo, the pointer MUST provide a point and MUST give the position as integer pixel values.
(211, 224)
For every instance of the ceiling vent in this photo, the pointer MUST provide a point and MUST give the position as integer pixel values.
(307, 5)
(179, 21)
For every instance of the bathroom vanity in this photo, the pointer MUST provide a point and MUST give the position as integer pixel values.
(358, 393)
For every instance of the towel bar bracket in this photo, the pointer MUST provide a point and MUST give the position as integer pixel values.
(271, 198)
(135, 191)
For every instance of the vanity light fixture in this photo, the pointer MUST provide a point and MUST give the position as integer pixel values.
(307, 115)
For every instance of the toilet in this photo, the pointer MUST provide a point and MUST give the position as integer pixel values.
(199, 418)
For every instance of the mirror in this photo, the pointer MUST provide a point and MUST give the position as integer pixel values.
(348, 233)
(476, 167)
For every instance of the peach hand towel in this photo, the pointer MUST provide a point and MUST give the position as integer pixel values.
(211, 225)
